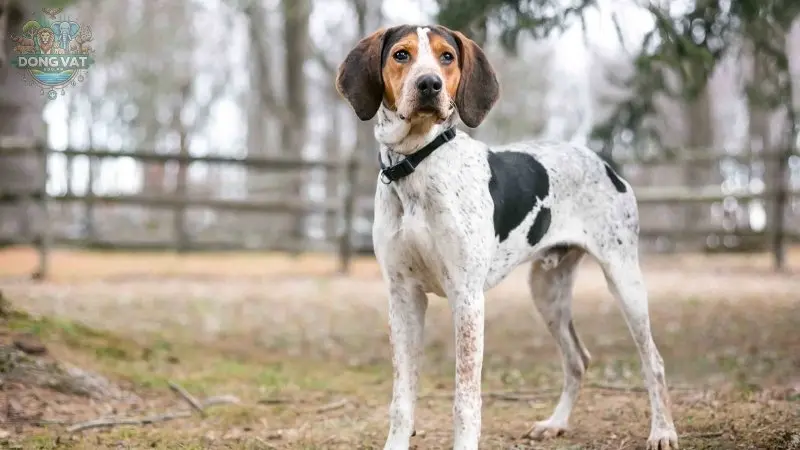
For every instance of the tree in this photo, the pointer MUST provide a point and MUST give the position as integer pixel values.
(686, 46)
(296, 14)
(20, 116)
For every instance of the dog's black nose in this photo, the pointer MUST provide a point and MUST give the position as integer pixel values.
(429, 85)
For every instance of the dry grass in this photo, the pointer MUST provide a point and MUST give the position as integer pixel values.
(294, 333)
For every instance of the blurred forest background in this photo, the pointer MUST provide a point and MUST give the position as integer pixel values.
(695, 102)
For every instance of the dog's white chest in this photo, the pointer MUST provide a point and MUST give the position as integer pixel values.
(416, 240)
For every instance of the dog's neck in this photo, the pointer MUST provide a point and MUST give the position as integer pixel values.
(399, 138)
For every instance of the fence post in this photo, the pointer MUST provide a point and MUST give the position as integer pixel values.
(91, 231)
(346, 238)
(781, 198)
(180, 231)
(181, 190)
(43, 241)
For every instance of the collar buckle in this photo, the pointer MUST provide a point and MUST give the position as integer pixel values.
(406, 167)
(400, 170)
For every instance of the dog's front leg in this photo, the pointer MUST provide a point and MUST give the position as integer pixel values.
(407, 306)
(468, 310)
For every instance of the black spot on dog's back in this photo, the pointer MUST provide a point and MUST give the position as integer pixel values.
(615, 179)
(518, 182)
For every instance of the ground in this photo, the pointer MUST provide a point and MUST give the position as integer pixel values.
(306, 351)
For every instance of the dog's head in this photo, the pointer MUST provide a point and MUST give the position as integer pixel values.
(424, 74)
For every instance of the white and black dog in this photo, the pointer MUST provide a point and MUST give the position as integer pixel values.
(454, 216)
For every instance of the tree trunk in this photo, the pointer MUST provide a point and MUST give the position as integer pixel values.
(700, 139)
(20, 115)
(260, 138)
(333, 149)
(296, 37)
(770, 103)
(91, 175)
(181, 233)
(760, 141)
(154, 173)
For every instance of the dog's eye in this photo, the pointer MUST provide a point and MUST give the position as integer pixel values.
(447, 58)
(401, 55)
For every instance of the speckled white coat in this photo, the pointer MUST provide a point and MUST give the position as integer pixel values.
(433, 233)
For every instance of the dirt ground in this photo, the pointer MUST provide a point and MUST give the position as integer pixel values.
(306, 352)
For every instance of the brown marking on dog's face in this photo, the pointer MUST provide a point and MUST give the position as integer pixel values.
(395, 71)
(447, 55)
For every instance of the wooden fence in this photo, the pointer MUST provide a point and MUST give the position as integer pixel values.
(344, 207)
(45, 239)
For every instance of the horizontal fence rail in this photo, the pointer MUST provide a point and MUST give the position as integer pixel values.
(345, 207)
(171, 202)
(254, 162)
(711, 194)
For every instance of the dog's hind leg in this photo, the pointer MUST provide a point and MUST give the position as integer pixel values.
(551, 282)
(625, 281)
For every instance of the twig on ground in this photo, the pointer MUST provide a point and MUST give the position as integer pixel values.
(188, 397)
(108, 422)
(115, 422)
(269, 437)
(527, 434)
(710, 434)
(220, 400)
(274, 401)
(333, 406)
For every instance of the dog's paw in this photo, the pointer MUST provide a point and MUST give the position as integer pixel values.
(545, 429)
(664, 439)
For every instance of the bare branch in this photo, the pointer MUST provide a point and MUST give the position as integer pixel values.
(147, 420)
(333, 406)
(708, 435)
(188, 397)
(221, 400)
(114, 422)
(618, 31)
(268, 98)
(318, 56)
(274, 401)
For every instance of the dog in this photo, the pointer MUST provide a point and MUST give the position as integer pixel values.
(453, 216)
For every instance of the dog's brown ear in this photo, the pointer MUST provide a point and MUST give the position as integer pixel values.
(359, 78)
(478, 88)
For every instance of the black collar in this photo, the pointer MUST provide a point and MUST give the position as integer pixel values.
(405, 167)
